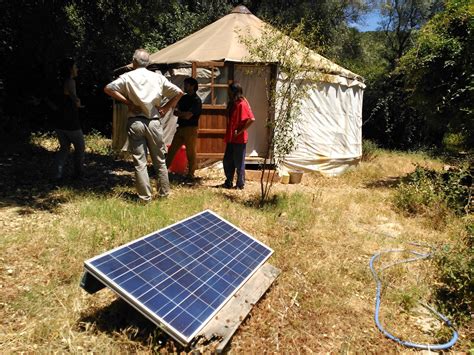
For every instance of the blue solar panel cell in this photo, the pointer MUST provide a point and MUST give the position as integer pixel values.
(159, 243)
(180, 276)
(157, 301)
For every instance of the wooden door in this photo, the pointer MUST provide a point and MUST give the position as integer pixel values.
(211, 134)
(212, 124)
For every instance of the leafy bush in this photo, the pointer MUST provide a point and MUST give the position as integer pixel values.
(456, 278)
(95, 142)
(419, 193)
(444, 47)
(369, 150)
(428, 191)
(434, 194)
(47, 140)
(454, 142)
(457, 190)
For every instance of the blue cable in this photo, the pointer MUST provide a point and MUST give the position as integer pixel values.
(418, 256)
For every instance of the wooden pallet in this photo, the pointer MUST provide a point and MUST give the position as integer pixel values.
(226, 322)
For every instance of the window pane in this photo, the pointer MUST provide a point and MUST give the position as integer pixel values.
(207, 77)
(205, 95)
(204, 80)
(221, 75)
(221, 96)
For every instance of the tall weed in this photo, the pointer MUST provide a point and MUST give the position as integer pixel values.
(295, 211)
(370, 150)
(95, 142)
(419, 193)
(456, 277)
(437, 195)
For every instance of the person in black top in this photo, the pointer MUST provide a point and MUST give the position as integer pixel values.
(67, 124)
(188, 112)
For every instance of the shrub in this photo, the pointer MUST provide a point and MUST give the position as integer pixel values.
(369, 150)
(456, 277)
(457, 190)
(425, 191)
(435, 194)
(47, 140)
(454, 142)
(419, 193)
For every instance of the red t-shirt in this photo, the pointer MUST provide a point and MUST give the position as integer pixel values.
(241, 112)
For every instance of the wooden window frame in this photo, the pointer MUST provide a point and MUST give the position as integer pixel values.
(211, 65)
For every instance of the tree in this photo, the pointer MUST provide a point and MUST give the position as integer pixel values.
(389, 119)
(400, 19)
(439, 75)
(324, 22)
(101, 35)
(287, 89)
(32, 39)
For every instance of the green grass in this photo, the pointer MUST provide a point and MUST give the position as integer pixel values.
(323, 232)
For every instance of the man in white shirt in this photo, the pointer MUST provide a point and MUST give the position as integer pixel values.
(143, 92)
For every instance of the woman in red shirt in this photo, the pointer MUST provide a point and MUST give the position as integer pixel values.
(239, 118)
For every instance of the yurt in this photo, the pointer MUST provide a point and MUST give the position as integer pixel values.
(329, 131)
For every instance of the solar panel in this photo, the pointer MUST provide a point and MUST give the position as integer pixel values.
(180, 276)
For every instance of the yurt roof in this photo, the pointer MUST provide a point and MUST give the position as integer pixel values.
(220, 41)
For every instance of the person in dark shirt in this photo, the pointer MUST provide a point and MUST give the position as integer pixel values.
(188, 112)
(67, 125)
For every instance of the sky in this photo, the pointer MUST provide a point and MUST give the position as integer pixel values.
(369, 22)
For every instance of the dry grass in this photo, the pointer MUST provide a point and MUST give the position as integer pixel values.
(323, 231)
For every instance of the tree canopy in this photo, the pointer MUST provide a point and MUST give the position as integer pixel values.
(404, 104)
(438, 72)
(424, 94)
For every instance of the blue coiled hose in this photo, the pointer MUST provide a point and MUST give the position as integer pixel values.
(417, 256)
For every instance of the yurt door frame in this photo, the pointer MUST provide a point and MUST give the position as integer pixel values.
(212, 123)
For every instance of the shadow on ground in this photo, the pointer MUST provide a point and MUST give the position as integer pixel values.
(389, 182)
(182, 180)
(121, 318)
(25, 178)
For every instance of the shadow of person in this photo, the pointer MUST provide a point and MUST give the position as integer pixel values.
(25, 178)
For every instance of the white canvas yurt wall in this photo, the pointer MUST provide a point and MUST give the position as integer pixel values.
(329, 130)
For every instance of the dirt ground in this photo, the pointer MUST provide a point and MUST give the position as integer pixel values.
(25, 179)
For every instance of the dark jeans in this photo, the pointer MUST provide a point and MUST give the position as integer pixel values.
(234, 159)
(65, 138)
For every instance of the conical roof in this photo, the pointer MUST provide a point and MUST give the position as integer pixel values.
(220, 41)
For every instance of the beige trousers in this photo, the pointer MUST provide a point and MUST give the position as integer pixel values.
(188, 137)
(147, 135)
